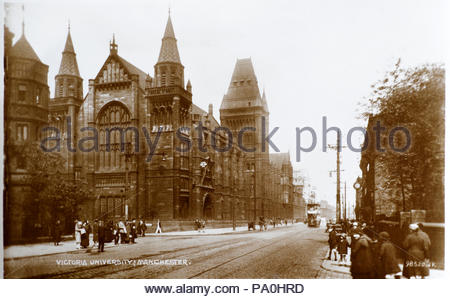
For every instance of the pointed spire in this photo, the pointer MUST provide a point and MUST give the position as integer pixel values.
(69, 65)
(113, 46)
(69, 45)
(169, 49)
(22, 48)
(264, 101)
(243, 90)
(189, 86)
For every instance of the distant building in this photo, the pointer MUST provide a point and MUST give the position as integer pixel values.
(326, 210)
(299, 206)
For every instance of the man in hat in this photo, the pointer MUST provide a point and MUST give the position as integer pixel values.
(417, 247)
(332, 241)
(101, 234)
(388, 257)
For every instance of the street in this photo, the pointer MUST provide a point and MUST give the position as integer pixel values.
(294, 251)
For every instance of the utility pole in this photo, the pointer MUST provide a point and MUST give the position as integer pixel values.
(345, 201)
(338, 149)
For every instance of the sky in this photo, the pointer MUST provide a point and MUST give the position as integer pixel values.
(313, 58)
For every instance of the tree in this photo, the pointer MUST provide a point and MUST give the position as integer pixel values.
(55, 194)
(413, 99)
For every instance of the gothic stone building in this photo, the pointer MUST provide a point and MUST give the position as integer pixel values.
(199, 168)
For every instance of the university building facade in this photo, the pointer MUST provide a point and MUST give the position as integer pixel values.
(196, 169)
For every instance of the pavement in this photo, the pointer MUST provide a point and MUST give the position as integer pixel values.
(341, 270)
(293, 251)
(67, 246)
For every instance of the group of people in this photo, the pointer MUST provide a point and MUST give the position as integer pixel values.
(104, 232)
(374, 255)
(200, 225)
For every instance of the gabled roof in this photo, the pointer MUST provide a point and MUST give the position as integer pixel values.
(134, 70)
(129, 68)
(279, 159)
(243, 90)
(69, 65)
(23, 49)
(169, 49)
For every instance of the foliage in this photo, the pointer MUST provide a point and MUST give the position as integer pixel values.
(414, 99)
(56, 193)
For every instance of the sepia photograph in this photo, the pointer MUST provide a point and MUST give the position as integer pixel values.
(224, 140)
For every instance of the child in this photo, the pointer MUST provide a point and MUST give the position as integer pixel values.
(342, 248)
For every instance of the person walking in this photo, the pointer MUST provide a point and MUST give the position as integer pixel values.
(101, 234)
(78, 227)
(332, 242)
(342, 248)
(116, 234)
(57, 233)
(388, 257)
(84, 235)
(122, 232)
(158, 227)
(142, 227)
(417, 246)
(362, 266)
(133, 229)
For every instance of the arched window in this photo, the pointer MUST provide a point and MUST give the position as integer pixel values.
(112, 122)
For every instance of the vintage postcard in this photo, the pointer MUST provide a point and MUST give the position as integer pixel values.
(224, 140)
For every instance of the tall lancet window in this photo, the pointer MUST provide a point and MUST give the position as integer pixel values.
(113, 121)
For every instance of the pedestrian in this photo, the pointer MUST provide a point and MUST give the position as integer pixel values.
(363, 266)
(332, 242)
(133, 231)
(388, 257)
(95, 233)
(417, 246)
(342, 248)
(158, 227)
(122, 232)
(197, 225)
(57, 233)
(78, 228)
(84, 235)
(203, 225)
(116, 234)
(142, 227)
(101, 234)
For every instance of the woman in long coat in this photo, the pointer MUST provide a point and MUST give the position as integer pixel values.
(388, 256)
(78, 226)
(362, 259)
(417, 246)
(84, 235)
